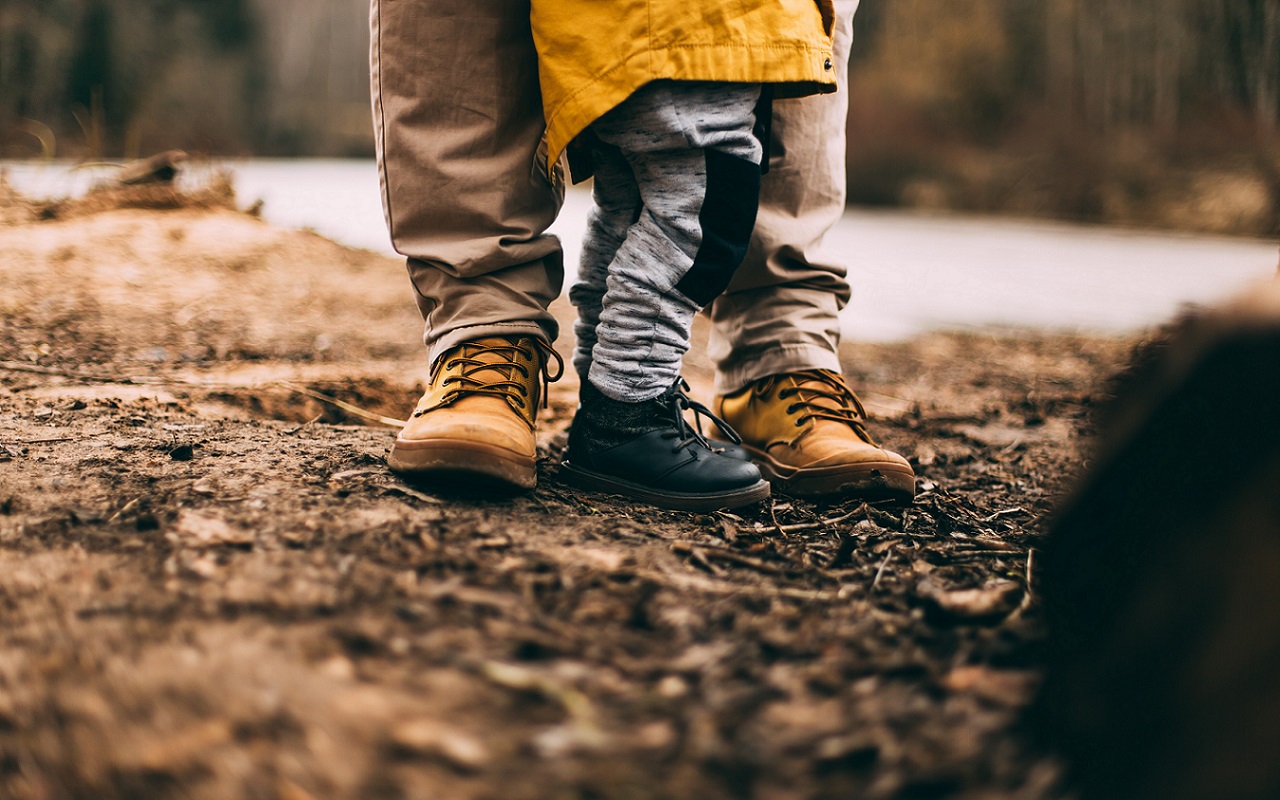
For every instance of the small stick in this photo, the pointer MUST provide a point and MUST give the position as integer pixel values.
(822, 523)
(415, 494)
(879, 572)
(992, 517)
(685, 548)
(1026, 597)
(979, 553)
(359, 412)
(773, 516)
(125, 509)
(698, 557)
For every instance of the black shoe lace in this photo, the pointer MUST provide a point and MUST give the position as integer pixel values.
(678, 403)
(469, 358)
(841, 405)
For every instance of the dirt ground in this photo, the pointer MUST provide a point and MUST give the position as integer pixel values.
(211, 586)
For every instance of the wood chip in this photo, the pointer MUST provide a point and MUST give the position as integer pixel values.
(994, 599)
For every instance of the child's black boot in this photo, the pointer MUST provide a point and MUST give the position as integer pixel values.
(647, 451)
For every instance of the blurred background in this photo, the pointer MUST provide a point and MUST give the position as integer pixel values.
(1141, 112)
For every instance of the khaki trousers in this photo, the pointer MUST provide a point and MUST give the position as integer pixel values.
(458, 123)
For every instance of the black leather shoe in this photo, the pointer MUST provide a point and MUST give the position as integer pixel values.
(647, 451)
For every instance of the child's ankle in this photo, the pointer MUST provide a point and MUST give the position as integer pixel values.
(605, 421)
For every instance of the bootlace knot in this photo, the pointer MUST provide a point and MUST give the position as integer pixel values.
(677, 403)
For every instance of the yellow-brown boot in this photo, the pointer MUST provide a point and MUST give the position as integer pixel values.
(807, 433)
(477, 416)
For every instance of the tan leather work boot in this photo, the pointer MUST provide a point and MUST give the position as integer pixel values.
(477, 416)
(807, 433)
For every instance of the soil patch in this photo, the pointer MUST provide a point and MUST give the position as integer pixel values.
(213, 587)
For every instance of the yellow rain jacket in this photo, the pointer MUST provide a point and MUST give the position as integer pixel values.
(592, 54)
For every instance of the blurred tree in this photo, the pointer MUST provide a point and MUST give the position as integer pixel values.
(36, 45)
(194, 72)
(128, 75)
(958, 68)
(1240, 57)
(317, 75)
(93, 86)
(1116, 64)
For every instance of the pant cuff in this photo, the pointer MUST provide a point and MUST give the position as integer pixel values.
(470, 333)
(776, 360)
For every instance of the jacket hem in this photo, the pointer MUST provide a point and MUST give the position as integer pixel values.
(695, 62)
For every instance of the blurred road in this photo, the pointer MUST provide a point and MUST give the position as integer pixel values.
(910, 272)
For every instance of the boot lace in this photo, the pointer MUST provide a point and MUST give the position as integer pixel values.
(469, 357)
(820, 394)
(678, 403)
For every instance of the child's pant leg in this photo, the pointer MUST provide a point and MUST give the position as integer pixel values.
(617, 207)
(695, 160)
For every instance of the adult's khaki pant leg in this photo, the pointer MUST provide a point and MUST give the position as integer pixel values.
(780, 313)
(458, 119)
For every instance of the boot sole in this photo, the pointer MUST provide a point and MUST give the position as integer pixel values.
(870, 480)
(449, 458)
(675, 501)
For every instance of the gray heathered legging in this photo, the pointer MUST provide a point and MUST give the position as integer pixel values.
(677, 185)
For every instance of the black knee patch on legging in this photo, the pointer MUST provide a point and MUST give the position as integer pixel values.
(727, 219)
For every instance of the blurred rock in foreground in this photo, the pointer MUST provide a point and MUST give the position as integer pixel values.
(1162, 578)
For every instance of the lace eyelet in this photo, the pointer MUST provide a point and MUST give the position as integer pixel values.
(791, 409)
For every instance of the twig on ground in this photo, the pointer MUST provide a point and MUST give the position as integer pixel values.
(415, 494)
(704, 553)
(698, 556)
(774, 517)
(880, 571)
(822, 523)
(979, 553)
(1027, 594)
(350, 409)
(1003, 512)
(126, 508)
